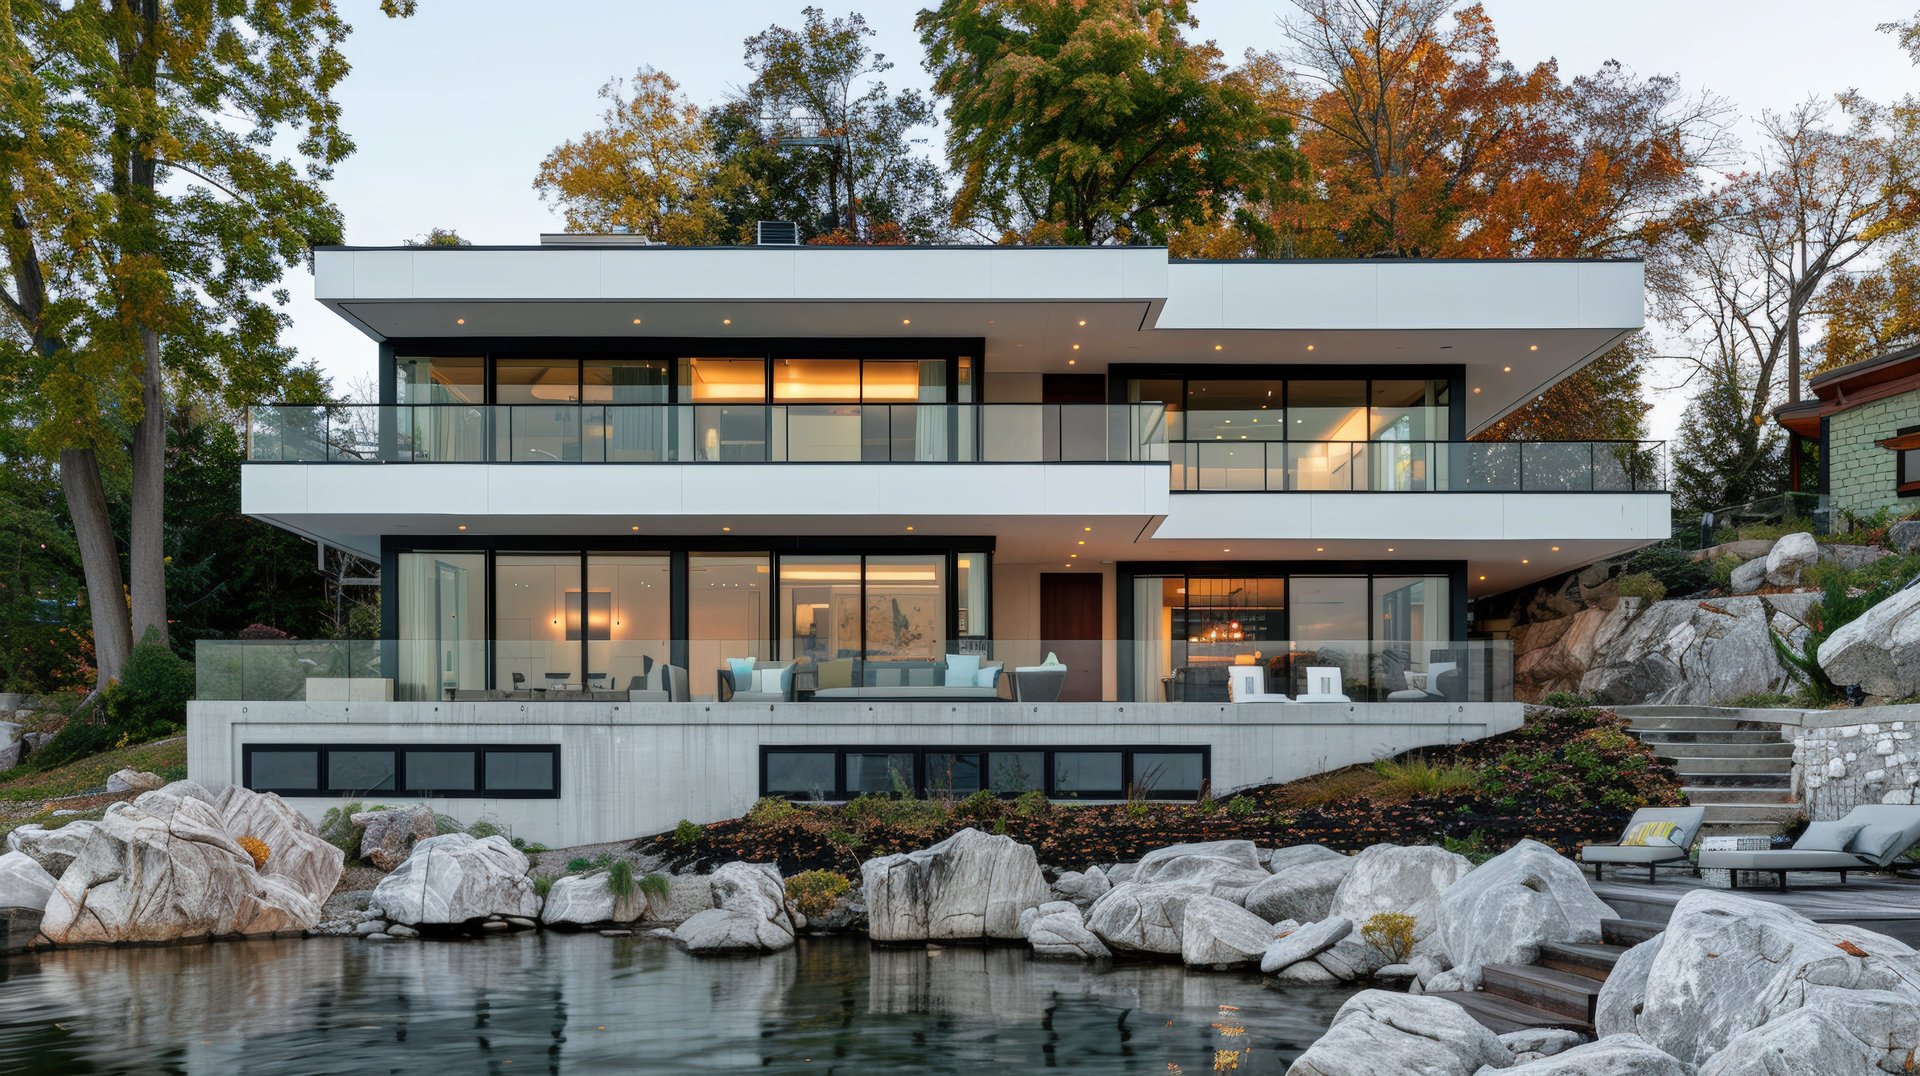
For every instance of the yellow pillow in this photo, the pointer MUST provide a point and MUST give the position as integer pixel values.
(1649, 833)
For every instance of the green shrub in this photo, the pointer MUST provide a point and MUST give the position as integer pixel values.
(1391, 933)
(814, 892)
(444, 824)
(1139, 808)
(1473, 846)
(150, 698)
(337, 829)
(1672, 566)
(770, 809)
(687, 834)
(982, 806)
(656, 886)
(1418, 777)
(620, 879)
(1641, 585)
(1566, 700)
(485, 828)
(80, 738)
(1242, 807)
(579, 865)
(1759, 700)
(1723, 567)
(1031, 804)
(543, 884)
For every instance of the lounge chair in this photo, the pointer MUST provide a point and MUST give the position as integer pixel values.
(731, 691)
(1323, 685)
(1869, 838)
(1248, 683)
(663, 683)
(1651, 852)
(1040, 683)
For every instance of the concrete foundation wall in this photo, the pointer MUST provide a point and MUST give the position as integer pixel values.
(629, 769)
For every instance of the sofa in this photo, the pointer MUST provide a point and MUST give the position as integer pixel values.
(910, 681)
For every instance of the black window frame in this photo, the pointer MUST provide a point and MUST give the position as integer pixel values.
(400, 750)
(840, 793)
(1902, 487)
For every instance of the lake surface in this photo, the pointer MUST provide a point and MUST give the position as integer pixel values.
(548, 1002)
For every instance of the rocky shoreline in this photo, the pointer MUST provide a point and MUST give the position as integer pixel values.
(1731, 984)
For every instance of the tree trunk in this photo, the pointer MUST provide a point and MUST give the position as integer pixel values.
(147, 533)
(99, 560)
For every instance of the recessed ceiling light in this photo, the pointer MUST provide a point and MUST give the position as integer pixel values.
(1082, 541)
(1319, 549)
(1483, 579)
(635, 527)
(1309, 347)
(1523, 560)
(459, 321)
(1216, 347)
(1076, 347)
(1083, 323)
(1226, 551)
(1089, 530)
(909, 526)
(906, 321)
(1506, 369)
(1389, 549)
(726, 528)
(1073, 362)
(726, 321)
(1476, 390)
(1075, 556)
(462, 526)
(1533, 347)
(1556, 549)
(636, 321)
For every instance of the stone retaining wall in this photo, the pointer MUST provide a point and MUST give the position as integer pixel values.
(1839, 767)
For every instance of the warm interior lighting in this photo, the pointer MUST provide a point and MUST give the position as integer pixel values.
(1483, 579)
(1506, 369)
(462, 526)
(1076, 347)
(852, 575)
(634, 528)
(1476, 390)
(1523, 560)
(1083, 323)
(726, 528)
(726, 321)
(1389, 549)
(1319, 549)
(1533, 347)
(1217, 347)
(909, 526)
(1075, 556)
(1082, 541)
(906, 321)
(1073, 362)
(1309, 347)
(636, 321)
(459, 321)
(1089, 530)
(1556, 549)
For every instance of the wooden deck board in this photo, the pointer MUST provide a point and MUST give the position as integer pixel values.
(1888, 905)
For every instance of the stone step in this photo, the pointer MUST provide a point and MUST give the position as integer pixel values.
(1644, 723)
(1543, 988)
(1629, 932)
(1702, 796)
(1722, 750)
(1502, 1015)
(1591, 959)
(1655, 737)
(1781, 780)
(1701, 764)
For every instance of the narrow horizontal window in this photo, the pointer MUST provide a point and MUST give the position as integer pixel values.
(395, 770)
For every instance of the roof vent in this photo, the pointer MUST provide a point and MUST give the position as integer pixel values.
(777, 233)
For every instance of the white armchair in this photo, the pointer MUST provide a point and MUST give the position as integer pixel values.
(1323, 685)
(1247, 683)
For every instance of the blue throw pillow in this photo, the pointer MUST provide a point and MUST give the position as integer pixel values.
(989, 676)
(962, 669)
(742, 673)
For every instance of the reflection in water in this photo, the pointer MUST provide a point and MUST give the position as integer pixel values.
(579, 1003)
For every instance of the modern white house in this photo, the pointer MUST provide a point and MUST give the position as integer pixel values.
(661, 530)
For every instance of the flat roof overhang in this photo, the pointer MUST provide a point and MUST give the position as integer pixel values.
(1515, 327)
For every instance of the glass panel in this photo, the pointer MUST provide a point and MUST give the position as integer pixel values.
(440, 771)
(973, 589)
(629, 611)
(877, 771)
(1324, 466)
(817, 433)
(964, 391)
(286, 769)
(800, 774)
(442, 600)
(949, 774)
(820, 615)
(1157, 652)
(541, 426)
(1167, 391)
(359, 771)
(1086, 771)
(537, 621)
(1235, 411)
(624, 381)
(519, 771)
(1329, 613)
(1410, 410)
(634, 423)
(1326, 410)
(1227, 622)
(1017, 771)
(726, 613)
(1556, 466)
(723, 380)
(1166, 773)
(440, 379)
(726, 433)
(1909, 467)
(816, 380)
(1412, 623)
(906, 617)
(1231, 466)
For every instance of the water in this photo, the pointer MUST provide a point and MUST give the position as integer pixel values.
(546, 1002)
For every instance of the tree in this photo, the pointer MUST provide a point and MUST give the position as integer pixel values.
(648, 170)
(1872, 313)
(438, 237)
(1724, 457)
(818, 138)
(1603, 401)
(1099, 121)
(147, 207)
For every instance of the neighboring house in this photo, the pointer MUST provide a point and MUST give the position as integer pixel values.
(1864, 419)
(872, 468)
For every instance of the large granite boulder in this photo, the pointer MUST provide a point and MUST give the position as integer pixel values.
(584, 900)
(456, 878)
(1407, 879)
(164, 868)
(1082, 887)
(1837, 1033)
(24, 883)
(1619, 1005)
(129, 779)
(1377, 1033)
(387, 836)
(749, 913)
(1302, 891)
(1225, 869)
(969, 886)
(1504, 910)
(54, 849)
(1615, 1055)
(192, 790)
(296, 853)
(1139, 917)
(1879, 650)
(1683, 652)
(1790, 558)
(1727, 964)
(1058, 930)
(1216, 933)
(1749, 577)
(1303, 943)
(1280, 860)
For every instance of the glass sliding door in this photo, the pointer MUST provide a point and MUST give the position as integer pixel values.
(438, 413)
(820, 616)
(539, 621)
(1329, 627)
(627, 401)
(819, 401)
(1158, 601)
(729, 398)
(906, 615)
(628, 618)
(1327, 421)
(442, 607)
(1407, 416)
(1239, 620)
(727, 613)
(1412, 629)
(972, 591)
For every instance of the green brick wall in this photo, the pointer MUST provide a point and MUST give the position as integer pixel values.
(1860, 474)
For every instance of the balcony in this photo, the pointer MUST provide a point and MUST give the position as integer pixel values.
(708, 433)
(1419, 466)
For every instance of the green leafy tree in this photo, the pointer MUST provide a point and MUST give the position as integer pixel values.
(1099, 121)
(160, 167)
(1602, 401)
(1726, 454)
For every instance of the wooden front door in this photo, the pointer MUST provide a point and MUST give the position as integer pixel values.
(1070, 620)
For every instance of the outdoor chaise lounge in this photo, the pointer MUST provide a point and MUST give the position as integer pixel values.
(1641, 845)
(1869, 838)
(1248, 683)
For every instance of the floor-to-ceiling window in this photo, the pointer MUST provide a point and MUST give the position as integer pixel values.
(729, 407)
(627, 398)
(441, 612)
(539, 619)
(727, 614)
(906, 610)
(1329, 629)
(540, 422)
(438, 413)
(820, 614)
(629, 627)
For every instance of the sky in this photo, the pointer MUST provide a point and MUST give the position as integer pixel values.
(453, 109)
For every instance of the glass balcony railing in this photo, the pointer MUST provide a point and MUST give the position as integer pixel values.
(1420, 466)
(703, 433)
(1204, 668)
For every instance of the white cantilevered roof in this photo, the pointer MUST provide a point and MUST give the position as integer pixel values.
(1515, 326)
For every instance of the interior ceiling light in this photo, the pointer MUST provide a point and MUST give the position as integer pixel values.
(726, 321)
(1506, 369)
(636, 321)
(1076, 347)
(1083, 541)
(459, 321)
(906, 321)
(1089, 530)
(1309, 347)
(1523, 560)
(1483, 579)
(1074, 362)
(1083, 323)
(1533, 347)
(1217, 347)
(462, 526)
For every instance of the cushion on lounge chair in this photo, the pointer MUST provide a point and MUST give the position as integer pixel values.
(1784, 860)
(1648, 834)
(1618, 853)
(1827, 836)
(1891, 828)
(1874, 842)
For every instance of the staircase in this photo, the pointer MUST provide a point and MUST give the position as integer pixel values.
(1740, 771)
(1561, 989)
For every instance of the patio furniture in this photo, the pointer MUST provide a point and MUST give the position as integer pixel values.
(1649, 850)
(664, 683)
(1249, 684)
(1040, 683)
(1323, 685)
(765, 673)
(1869, 838)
